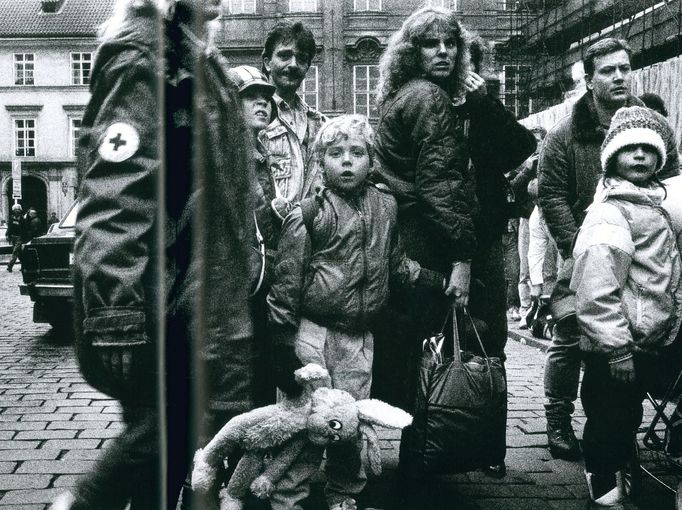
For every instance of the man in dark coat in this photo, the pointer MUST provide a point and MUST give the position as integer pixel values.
(161, 306)
(569, 169)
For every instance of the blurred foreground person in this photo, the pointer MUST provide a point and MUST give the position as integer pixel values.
(160, 303)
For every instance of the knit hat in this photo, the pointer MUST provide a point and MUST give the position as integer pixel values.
(634, 125)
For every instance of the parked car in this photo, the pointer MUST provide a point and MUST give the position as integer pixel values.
(46, 263)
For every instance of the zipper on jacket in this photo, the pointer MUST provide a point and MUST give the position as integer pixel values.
(358, 208)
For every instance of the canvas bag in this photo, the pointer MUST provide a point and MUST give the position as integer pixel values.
(461, 410)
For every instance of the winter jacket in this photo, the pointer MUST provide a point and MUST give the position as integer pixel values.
(292, 155)
(497, 145)
(118, 280)
(422, 149)
(626, 275)
(338, 274)
(15, 226)
(569, 169)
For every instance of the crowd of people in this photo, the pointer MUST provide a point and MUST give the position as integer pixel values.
(238, 235)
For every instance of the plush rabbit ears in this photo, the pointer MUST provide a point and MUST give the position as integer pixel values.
(382, 414)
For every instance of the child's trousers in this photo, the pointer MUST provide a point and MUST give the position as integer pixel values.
(614, 412)
(348, 358)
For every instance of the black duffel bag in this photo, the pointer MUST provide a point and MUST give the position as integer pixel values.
(461, 409)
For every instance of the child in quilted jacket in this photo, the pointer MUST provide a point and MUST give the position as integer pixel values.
(626, 280)
(338, 254)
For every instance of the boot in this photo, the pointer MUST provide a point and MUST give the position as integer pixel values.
(562, 441)
(605, 492)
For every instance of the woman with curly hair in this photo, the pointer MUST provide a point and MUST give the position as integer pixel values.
(422, 150)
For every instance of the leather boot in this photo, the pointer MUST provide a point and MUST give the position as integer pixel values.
(562, 441)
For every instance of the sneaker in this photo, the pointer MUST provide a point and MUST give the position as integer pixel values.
(346, 504)
(9, 269)
(513, 313)
(605, 491)
(562, 442)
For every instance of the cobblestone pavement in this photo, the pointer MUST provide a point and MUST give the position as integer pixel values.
(53, 426)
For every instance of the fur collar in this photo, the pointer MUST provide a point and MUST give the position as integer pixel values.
(585, 122)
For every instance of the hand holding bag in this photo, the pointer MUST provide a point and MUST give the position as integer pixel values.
(461, 411)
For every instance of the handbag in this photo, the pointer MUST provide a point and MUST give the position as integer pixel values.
(461, 409)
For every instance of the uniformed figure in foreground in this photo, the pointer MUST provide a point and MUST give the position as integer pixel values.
(161, 272)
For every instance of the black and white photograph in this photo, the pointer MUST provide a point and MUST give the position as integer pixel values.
(340, 254)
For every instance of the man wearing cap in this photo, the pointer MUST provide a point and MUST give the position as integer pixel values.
(569, 169)
(15, 227)
(288, 51)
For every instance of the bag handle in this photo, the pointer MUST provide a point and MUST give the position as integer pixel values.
(457, 357)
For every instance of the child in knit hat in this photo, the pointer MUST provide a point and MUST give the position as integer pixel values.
(626, 280)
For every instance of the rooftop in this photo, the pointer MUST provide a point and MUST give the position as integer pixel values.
(74, 18)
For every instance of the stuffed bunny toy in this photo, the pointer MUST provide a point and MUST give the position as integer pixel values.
(274, 436)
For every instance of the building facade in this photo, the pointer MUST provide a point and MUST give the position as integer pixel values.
(47, 49)
(351, 36)
(46, 53)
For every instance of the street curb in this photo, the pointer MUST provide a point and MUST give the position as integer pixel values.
(525, 337)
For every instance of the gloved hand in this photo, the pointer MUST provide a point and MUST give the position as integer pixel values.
(118, 362)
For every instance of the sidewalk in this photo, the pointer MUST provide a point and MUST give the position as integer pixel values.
(53, 427)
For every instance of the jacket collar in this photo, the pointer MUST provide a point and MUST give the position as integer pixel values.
(618, 188)
(585, 124)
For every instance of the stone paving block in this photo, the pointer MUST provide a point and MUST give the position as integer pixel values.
(56, 467)
(66, 481)
(566, 504)
(14, 482)
(92, 396)
(70, 402)
(513, 504)
(527, 440)
(21, 507)
(8, 455)
(564, 477)
(5, 397)
(533, 426)
(99, 434)
(68, 444)
(7, 467)
(540, 491)
(97, 417)
(23, 425)
(47, 417)
(78, 425)
(82, 454)
(9, 417)
(18, 445)
(6, 434)
(30, 496)
(46, 434)
(21, 404)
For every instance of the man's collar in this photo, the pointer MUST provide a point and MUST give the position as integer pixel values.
(297, 103)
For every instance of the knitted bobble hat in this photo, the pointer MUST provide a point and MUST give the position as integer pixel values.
(634, 125)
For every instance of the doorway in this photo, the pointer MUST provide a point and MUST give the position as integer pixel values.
(33, 194)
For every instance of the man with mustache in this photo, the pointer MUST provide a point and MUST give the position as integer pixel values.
(569, 170)
(289, 49)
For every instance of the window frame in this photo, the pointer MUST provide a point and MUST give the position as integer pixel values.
(23, 64)
(315, 9)
(302, 92)
(446, 4)
(73, 140)
(370, 92)
(83, 79)
(366, 9)
(231, 3)
(15, 136)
